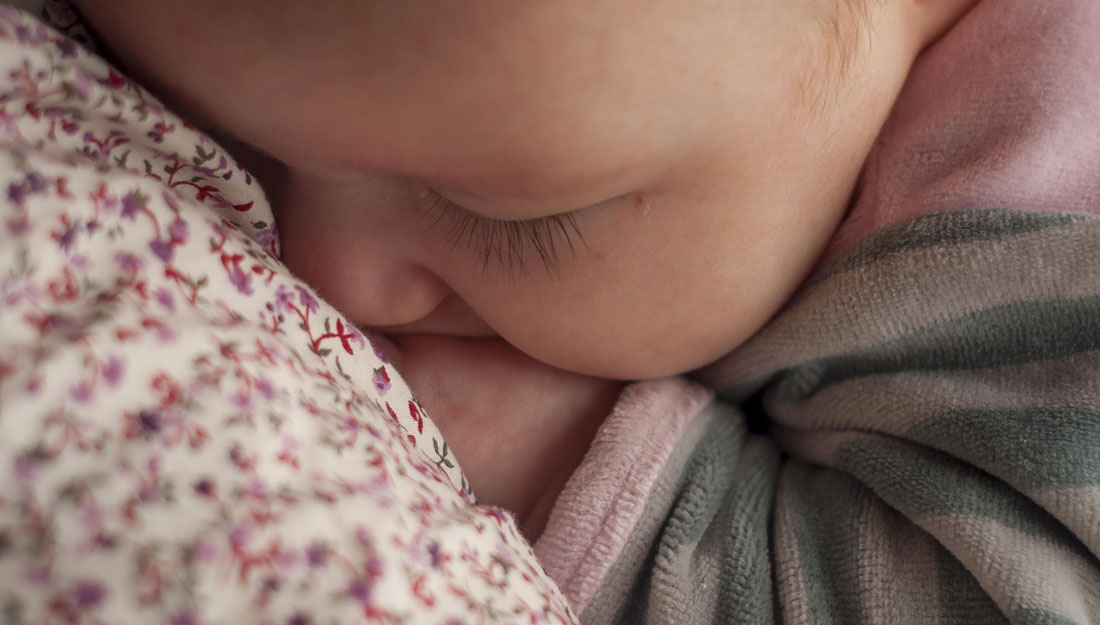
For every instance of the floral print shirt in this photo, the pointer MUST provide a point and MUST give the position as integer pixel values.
(188, 434)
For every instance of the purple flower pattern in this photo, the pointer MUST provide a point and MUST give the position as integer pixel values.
(200, 439)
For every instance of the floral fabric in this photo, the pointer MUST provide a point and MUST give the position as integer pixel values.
(188, 434)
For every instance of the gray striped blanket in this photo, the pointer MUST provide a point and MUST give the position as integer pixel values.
(915, 438)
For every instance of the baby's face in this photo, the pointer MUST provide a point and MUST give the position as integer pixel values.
(618, 189)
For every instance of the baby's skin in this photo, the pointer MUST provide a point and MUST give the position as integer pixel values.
(535, 200)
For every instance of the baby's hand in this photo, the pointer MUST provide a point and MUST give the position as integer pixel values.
(518, 427)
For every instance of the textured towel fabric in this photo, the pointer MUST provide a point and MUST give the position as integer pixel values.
(931, 396)
(937, 461)
(606, 497)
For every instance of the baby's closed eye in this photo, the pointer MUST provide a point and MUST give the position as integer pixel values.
(505, 244)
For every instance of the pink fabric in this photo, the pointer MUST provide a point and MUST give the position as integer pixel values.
(605, 497)
(1002, 112)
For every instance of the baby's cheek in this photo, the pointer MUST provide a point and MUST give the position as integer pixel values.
(608, 314)
(652, 292)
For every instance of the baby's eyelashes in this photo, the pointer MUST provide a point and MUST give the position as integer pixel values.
(507, 245)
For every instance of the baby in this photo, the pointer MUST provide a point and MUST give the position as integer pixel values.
(534, 200)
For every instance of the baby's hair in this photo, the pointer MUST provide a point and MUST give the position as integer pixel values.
(844, 26)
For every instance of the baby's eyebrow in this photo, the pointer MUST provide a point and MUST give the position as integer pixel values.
(516, 192)
(505, 201)
(522, 182)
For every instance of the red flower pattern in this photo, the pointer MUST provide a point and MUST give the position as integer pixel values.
(188, 435)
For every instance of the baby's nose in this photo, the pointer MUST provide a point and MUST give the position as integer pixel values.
(354, 244)
(389, 290)
(366, 279)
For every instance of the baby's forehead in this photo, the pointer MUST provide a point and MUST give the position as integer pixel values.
(521, 98)
(516, 89)
(511, 89)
